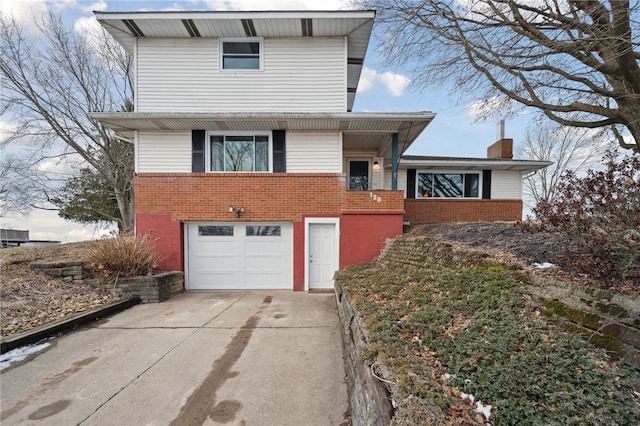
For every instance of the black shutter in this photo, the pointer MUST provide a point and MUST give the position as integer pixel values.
(411, 183)
(197, 151)
(486, 184)
(279, 152)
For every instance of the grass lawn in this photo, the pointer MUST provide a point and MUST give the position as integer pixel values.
(450, 334)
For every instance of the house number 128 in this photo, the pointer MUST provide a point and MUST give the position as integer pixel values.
(375, 197)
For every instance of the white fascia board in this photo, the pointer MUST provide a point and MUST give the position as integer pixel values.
(383, 116)
(213, 15)
(518, 165)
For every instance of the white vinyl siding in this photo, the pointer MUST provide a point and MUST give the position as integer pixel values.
(402, 180)
(314, 152)
(506, 185)
(164, 152)
(299, 74)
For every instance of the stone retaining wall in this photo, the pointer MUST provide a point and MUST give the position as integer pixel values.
(67, 271)
(150, 288)
(607, 319)
(369, 399)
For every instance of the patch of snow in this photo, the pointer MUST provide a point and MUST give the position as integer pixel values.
(20, 354)
(485, 410)
(543, 265)
(468, 396)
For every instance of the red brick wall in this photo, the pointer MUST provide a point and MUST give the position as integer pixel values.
(167, 237)
(461, 210)
(364, 234)
(207, 196)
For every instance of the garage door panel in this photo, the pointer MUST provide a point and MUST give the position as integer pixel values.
(240, 256)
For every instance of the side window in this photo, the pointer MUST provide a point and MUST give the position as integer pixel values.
(447, 185)
(241, 54)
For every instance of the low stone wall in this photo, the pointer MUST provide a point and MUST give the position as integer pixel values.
(67, 271)
(150, 288)
(607, 319)
(369, 399)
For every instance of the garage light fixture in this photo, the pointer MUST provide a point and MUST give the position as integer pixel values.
(238, 211)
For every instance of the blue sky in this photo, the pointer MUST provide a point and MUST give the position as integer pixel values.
(454, 132)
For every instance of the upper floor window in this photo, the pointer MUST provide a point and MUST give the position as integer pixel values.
(448, 185)
(241, 54)
(239, 153)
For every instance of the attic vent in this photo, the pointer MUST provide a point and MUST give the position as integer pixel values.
(355, 61)
(307, 27)
(249, 29)
(191, 27)
(351, 90)
(133, 27)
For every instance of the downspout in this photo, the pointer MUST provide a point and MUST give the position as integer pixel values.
(394, 162)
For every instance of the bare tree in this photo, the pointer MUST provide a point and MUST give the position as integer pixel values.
(575, 60)
(569, 148)
(52, 80)
(17, 188)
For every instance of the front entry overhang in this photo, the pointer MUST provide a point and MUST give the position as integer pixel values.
(361, 130)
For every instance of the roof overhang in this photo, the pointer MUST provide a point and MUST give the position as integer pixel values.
(361, 130)
(355, 25)
(453, 163)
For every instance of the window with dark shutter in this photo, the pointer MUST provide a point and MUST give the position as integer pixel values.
(486, 184)
(279, 152)
(411, 183)
(197, 151)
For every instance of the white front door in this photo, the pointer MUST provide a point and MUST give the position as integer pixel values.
(322, 255)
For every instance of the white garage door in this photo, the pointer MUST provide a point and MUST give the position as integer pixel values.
(239, 256)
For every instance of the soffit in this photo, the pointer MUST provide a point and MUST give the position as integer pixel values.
(361, 131)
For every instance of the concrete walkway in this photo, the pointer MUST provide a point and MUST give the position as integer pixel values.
(241, 358)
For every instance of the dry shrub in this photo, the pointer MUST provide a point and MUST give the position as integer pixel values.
(600, 215)
(123, 256)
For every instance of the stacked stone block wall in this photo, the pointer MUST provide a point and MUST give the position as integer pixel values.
(67, 271)
(150, 289)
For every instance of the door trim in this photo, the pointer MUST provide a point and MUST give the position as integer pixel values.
(336, 238)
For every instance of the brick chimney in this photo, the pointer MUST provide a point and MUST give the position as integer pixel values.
(502, 149)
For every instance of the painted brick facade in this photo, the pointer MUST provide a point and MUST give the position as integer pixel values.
(460, 210)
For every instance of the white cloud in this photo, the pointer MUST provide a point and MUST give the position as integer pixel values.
(25, 11)
(7, 129)
(99, 6)
(493, 106)
(367, 78)
(87, 25)
(394, 83)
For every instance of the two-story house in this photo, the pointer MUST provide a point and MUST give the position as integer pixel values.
(251, 170)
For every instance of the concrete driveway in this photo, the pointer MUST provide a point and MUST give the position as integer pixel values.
(227, 357)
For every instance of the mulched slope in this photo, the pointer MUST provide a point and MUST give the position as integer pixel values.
(29, 299)
(504, 236)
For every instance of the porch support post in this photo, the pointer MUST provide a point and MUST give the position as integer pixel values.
(394, 162)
